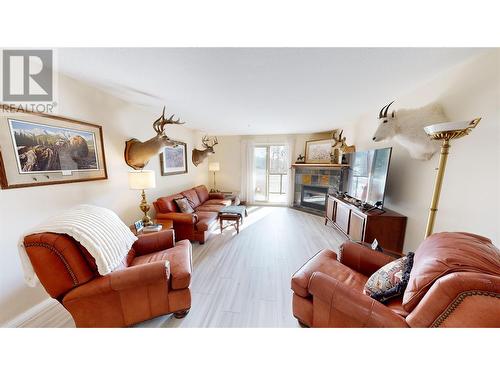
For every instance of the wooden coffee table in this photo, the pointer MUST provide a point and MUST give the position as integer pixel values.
(233, 214)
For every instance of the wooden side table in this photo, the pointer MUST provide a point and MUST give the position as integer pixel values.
(166, 224)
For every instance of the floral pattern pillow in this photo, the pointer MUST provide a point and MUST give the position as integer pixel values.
(184, 206)
(391, 280)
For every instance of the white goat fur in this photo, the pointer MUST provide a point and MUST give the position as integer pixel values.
(407, 129)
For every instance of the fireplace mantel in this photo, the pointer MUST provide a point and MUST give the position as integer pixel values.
(311, 165)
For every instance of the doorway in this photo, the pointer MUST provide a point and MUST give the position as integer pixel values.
(271, 174)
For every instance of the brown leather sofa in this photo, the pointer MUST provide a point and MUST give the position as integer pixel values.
(454, 282)
(195, 226)
(141, 289)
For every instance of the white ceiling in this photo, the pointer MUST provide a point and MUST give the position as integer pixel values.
(260, 90)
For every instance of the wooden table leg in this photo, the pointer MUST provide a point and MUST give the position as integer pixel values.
(220, 220)
(237, 226)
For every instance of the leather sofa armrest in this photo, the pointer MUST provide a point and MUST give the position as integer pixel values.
(362, 258)
(132, 277)
(215, 196)
(460, 299)
(153, 242)
(179, 217)
(336, 305)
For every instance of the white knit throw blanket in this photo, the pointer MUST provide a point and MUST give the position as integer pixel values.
(97, 229)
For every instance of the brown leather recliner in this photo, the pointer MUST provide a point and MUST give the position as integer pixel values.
(195, 226)
(454, 282)
(144, 287)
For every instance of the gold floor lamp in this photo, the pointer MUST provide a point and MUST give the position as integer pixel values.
(445, 132)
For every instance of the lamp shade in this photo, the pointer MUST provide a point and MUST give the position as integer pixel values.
(139, 180)
(214, 167)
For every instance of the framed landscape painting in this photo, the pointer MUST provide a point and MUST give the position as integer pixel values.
(173, 159)
(318, 152)
(41, 149)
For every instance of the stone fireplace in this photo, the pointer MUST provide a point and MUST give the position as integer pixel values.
(312, 184)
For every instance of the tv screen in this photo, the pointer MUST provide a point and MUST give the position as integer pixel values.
(366, 177)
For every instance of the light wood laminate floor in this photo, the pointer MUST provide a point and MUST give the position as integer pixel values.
(243, 280)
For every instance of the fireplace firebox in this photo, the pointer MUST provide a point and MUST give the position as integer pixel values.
(314, 197)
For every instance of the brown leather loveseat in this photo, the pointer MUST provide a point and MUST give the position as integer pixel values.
(454, 282)
(144, 287)
(195, 226)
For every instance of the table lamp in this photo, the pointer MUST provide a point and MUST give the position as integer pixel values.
(214, 167)
(445, 132)
(142, 180)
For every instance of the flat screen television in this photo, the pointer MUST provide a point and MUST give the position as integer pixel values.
(366, 177)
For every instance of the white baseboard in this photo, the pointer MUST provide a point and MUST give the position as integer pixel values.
(47, 314)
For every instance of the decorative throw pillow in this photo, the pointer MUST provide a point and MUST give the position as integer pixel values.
(184, 205)
(391, 280)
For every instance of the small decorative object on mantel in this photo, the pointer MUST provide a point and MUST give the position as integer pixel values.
(42, 149)
(138, 154)
(200, 155)
(173, 159)
(408, 125)
(336, 156)
(300, 159)
(444, 132)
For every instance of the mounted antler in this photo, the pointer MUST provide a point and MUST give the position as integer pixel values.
(138, 154)
(382, 113)
(206, 139)
(199, 155)
(344, 147)
(159, 125)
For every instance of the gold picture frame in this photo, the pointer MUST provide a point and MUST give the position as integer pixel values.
(318, 151)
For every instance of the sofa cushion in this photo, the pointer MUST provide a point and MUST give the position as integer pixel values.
(184, 205)
(326, 262)
(167, 204)
(179, 258)
(445, 253)
(219, 202)
(209, 208)
(390, 281)
(205, 220)
(192, 197)
(202, 192)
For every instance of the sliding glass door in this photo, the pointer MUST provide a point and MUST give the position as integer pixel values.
(271, 173)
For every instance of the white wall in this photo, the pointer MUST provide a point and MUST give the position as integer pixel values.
(21, 209)
(470, 194)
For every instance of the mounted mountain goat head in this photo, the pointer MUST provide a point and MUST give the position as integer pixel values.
(406, 127)
(200, 155)
(138, 154)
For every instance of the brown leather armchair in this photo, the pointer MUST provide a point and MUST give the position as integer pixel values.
(454, 282)
(144, 287)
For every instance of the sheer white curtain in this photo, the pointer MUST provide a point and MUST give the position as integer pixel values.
(290, 144)
(247, 171)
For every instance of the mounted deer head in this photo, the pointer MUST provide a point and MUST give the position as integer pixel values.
(344, 147)
(138, 154)
(200, 155)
